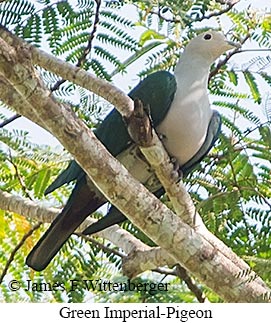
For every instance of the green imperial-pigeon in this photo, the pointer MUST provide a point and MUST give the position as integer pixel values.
(181, 114)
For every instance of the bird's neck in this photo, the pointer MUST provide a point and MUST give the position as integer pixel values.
(192, 72)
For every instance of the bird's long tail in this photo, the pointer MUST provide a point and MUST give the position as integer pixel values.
(73, 214)
(114, 216)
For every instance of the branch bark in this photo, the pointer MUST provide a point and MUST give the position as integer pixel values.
(33, 210)
(212, 263)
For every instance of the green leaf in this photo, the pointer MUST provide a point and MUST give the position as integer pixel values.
(266, 135)
(266, 24)
(42, 181)
(233, 77)
(133, 58)
(149, 35)
(251, 81)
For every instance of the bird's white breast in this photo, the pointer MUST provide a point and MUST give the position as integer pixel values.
(185, 126)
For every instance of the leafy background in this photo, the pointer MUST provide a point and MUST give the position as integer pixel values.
(120, 41)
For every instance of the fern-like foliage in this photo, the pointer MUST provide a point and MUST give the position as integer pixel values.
(66, 27)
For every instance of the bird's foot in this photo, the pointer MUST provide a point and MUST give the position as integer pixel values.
(139, 124)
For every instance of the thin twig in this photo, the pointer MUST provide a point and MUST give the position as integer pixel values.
(165, 271)
(101, 246)
(14, 251)
(21, 181)
(87, 49)
(203, 17)
(9, 120)
(227, 57)
(255, 50)
(217, 13)
(182, 274)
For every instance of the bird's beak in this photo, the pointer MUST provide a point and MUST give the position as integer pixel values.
(232, 44)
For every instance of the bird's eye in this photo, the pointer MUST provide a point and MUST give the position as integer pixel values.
(207, 36)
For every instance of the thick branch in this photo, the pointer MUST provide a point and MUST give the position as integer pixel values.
(140, 257)
(9, 96)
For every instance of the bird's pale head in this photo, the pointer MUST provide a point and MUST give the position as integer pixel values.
(210, 45)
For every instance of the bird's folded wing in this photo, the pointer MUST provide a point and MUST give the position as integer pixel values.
(211, 137)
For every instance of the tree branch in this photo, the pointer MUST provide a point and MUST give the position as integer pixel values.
(87, 49)
(9, 120)
(18, 175)
(81, 60)
(229, 5)
(101, 246)
(16, 249)
(183, 275)
(224, 61)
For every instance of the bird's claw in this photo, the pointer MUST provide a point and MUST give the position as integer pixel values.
(161, 136)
